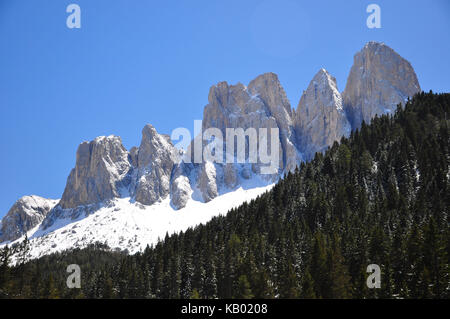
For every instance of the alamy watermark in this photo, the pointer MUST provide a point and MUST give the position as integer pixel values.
(241, 146)
(374, 279)
(374, 19)
(74, 279)
(73, 21)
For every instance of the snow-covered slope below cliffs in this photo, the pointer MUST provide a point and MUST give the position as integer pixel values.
(127, 225)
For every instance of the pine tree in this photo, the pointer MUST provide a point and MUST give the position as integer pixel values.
(262, 285)
(175, 278)
(307, 291)
(195, 294)
(49, 290)
(186, 278)
(243, 288)
(435, 261)
(290, 286)
(318, 265)
(337, 274)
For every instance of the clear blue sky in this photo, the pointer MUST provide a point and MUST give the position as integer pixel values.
(138, 62)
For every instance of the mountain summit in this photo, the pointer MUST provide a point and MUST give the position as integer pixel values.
(379, 80)
(320, 119)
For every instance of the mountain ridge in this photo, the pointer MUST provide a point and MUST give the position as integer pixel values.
(149, 174)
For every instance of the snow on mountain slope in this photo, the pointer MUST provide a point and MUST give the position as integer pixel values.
(128, 225)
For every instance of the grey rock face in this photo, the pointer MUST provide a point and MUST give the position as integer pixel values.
(155, 159)
(180, 187)
(379, 80)
(101, 170)
(232, 106)
(134, 156)
(263, 104)
(105, 170)
(25, 214)
(230, 175)
(207, 181)
(320, 119)
(268, 88)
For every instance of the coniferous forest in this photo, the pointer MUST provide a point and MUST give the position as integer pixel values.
(380, 197)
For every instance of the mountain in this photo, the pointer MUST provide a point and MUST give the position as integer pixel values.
(101, 168)
(132, 198)
(379, 80)
(27, 213)
(379, 197)
(263, 104)
(320, 119)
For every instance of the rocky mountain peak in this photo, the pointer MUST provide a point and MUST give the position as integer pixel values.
(100, 170)
(326, 83)
(156, 157)
(262, 104)
(268, 87)
(379, 80)
(319, 118)
(154, 147)
(24, 215)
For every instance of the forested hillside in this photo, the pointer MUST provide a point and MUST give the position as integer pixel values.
(379, 197)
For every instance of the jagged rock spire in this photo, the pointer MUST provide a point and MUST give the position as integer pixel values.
(100, 171)
(319, 118)
(379, 80)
